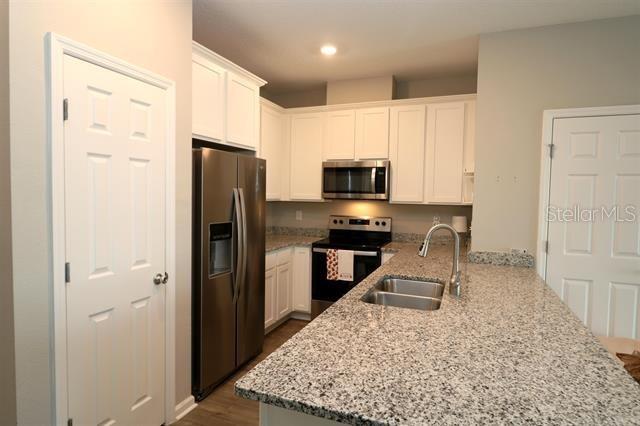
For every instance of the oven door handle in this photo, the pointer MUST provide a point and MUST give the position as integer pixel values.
(355, 253)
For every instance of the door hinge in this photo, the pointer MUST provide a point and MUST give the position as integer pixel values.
(551, 147)
(65, 109)
(67, 272)
(70, 422)
(546, 246)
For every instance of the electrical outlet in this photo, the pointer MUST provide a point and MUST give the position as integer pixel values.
(298, 214)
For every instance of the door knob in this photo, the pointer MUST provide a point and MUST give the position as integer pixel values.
(161, 279)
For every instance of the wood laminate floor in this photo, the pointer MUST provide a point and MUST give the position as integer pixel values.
(223, 407)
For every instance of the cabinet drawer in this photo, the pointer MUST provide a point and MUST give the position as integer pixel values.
(271, 260)
(284, 256)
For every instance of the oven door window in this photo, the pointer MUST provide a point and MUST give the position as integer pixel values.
(354, 180)
(324, 289)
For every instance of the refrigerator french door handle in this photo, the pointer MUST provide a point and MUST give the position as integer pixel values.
(237, 207)
(244, 241)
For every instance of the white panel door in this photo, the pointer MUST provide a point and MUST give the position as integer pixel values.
(594, 251)
(272, 149)
(283, 292)
(306, 156)
(243, 115)
(372, 133)
(207, 99)
(443, 164)
(340, 137)
(270, 283)
(301, 279)
(115, 214)
(406, 154)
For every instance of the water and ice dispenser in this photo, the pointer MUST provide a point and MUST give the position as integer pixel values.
(220, 248)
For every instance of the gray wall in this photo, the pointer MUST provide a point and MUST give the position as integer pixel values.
(153, 35)
(360, 90)
(520, 74)
(437, 86)
(351, 91)
(304, 98)
(406, 218)
(7, 370)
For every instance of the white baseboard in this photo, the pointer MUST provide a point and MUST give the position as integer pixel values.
(185, 407)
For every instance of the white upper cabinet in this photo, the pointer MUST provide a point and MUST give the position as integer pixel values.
(469, 137)
(429, 143)
(372, 134)
(407, 153)
(306, 156)
(243, 103)
(272, 149)
(339, 143)
(445, 141)
(207, 97)
(225, 101)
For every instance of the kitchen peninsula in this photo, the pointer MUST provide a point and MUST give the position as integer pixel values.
(507, 351)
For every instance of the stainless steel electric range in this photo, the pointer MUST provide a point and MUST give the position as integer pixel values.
(365, 236)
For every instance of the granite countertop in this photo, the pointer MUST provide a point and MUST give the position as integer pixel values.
(507, 351)
(277, 242)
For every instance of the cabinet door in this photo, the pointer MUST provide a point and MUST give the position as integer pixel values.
(271, 149)
(207, 97)
(445, 139)
(407, 144)
(306, 157)
(283, 303)
(339, 143)
(468, 162)
(302, 279)
(469, 137)
(243, 102)
(372, 133)
(270, 282)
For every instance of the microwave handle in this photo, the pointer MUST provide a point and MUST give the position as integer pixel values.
(373, 179)
(355, 253)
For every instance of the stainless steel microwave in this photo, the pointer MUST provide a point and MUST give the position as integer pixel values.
(355, 180)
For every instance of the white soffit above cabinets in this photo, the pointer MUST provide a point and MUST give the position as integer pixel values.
(280, 40)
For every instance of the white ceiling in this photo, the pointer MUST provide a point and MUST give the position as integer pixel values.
(279, 40)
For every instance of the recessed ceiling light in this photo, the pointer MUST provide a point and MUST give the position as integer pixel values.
(328, 50)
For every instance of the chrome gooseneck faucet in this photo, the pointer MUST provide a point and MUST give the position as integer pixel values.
(454, 281)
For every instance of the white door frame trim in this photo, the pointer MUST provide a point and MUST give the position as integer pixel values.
(57, 47)
(548, 118)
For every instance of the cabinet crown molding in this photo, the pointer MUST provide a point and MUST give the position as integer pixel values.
(372, 104)
(200, 50)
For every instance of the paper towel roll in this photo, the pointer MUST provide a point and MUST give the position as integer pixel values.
(459, 223)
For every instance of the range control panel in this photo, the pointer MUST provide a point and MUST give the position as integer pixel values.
(360, 223)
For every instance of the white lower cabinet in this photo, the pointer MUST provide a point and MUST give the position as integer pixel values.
(283, 292)
(287, 283)
(270, 283)
(302, 279)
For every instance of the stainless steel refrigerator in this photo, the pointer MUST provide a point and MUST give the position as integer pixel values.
(228, 264)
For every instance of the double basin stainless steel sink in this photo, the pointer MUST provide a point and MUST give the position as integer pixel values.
(405, 293)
